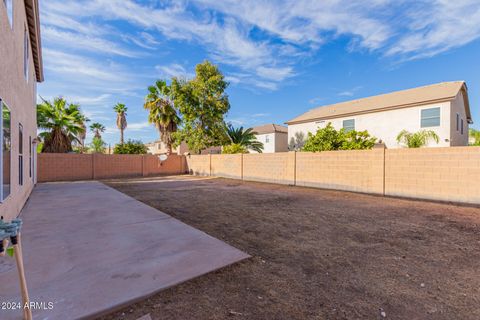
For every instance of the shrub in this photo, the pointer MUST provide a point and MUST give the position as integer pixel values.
(234, 148)
(97, 145)
(475, 136)
(328, 138)
(417, 139)
(130, 147)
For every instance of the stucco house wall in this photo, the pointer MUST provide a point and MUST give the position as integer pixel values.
(19, 94)
(457, 137)
(386, 125)
(386, 115)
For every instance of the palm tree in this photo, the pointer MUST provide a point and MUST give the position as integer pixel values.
(163, 113)
(62, 122)
(121, 111)
(417, 139)
(97, 145)
(83, 134)
(245, 138)
(97, 129)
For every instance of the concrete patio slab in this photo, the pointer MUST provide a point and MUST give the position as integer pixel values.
(89, 249)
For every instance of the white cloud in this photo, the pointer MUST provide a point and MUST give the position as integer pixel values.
(75, 40)
(139, 126)
(90, 100)
(265, 39)
(350, 92)
(174, 70)
(315, 100)
(276, 74)
(438, 26)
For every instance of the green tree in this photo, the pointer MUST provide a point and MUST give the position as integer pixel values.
(327, 139)
(297, 141)
(97, 129)
(234, 148)
(162, 112)
(417, 139)
(121, 111)
(97, 145)
(244, 138)
(130, 147)
(62, 122)
(203, 103)
(475, 135)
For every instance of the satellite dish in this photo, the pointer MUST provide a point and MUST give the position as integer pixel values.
(162, 157)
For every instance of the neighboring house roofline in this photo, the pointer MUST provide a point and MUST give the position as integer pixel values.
(440, 92)
(33, 20)
(270, 128)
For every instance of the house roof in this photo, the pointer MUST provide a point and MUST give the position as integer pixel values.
(439, 92)
(270, 128)
(33, 20)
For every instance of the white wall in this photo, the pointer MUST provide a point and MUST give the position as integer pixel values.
(268, 147)
(456, 136)
(387, 124)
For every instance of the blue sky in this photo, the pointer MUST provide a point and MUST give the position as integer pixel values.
(281, 58)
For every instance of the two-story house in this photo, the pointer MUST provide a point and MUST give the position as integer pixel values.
(20, 70)
(443, 108)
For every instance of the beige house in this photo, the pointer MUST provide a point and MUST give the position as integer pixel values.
(273, 136)
(443, 108)
(20, 70)
(158, 147)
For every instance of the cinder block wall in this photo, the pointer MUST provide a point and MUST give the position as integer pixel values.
(152, 165)
(64, 167)
(72, 167)
(448, 174)
(359, 170)
(117, 166)
(270, 167)
(198, 165)
(226, 165)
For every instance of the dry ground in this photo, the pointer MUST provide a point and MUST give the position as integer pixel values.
(318, 254)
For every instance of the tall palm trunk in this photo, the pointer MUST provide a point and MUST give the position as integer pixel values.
(121, 136)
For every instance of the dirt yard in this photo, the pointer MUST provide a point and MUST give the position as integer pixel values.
(318, 254)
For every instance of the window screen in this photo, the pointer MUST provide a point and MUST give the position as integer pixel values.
(430, 117)
(349, 125)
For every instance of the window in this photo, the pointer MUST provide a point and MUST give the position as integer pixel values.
(349, 125)
(458, 121)
(20, 154)
(5, 151)
(267, 139)
(430, 117)
(461, 126)
(30, 164)
(9, 7)
(25, 54)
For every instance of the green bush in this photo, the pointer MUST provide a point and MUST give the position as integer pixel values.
(130, 147)
(234, 148)
(328, 138)
(97, 145)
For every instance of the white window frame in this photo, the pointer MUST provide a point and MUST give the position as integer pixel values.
(350, 128)
(26, 53)
(9, 8)
(439, 117)
(1, 152)
(267, 138)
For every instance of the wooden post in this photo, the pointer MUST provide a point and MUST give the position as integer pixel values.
(27, 312)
